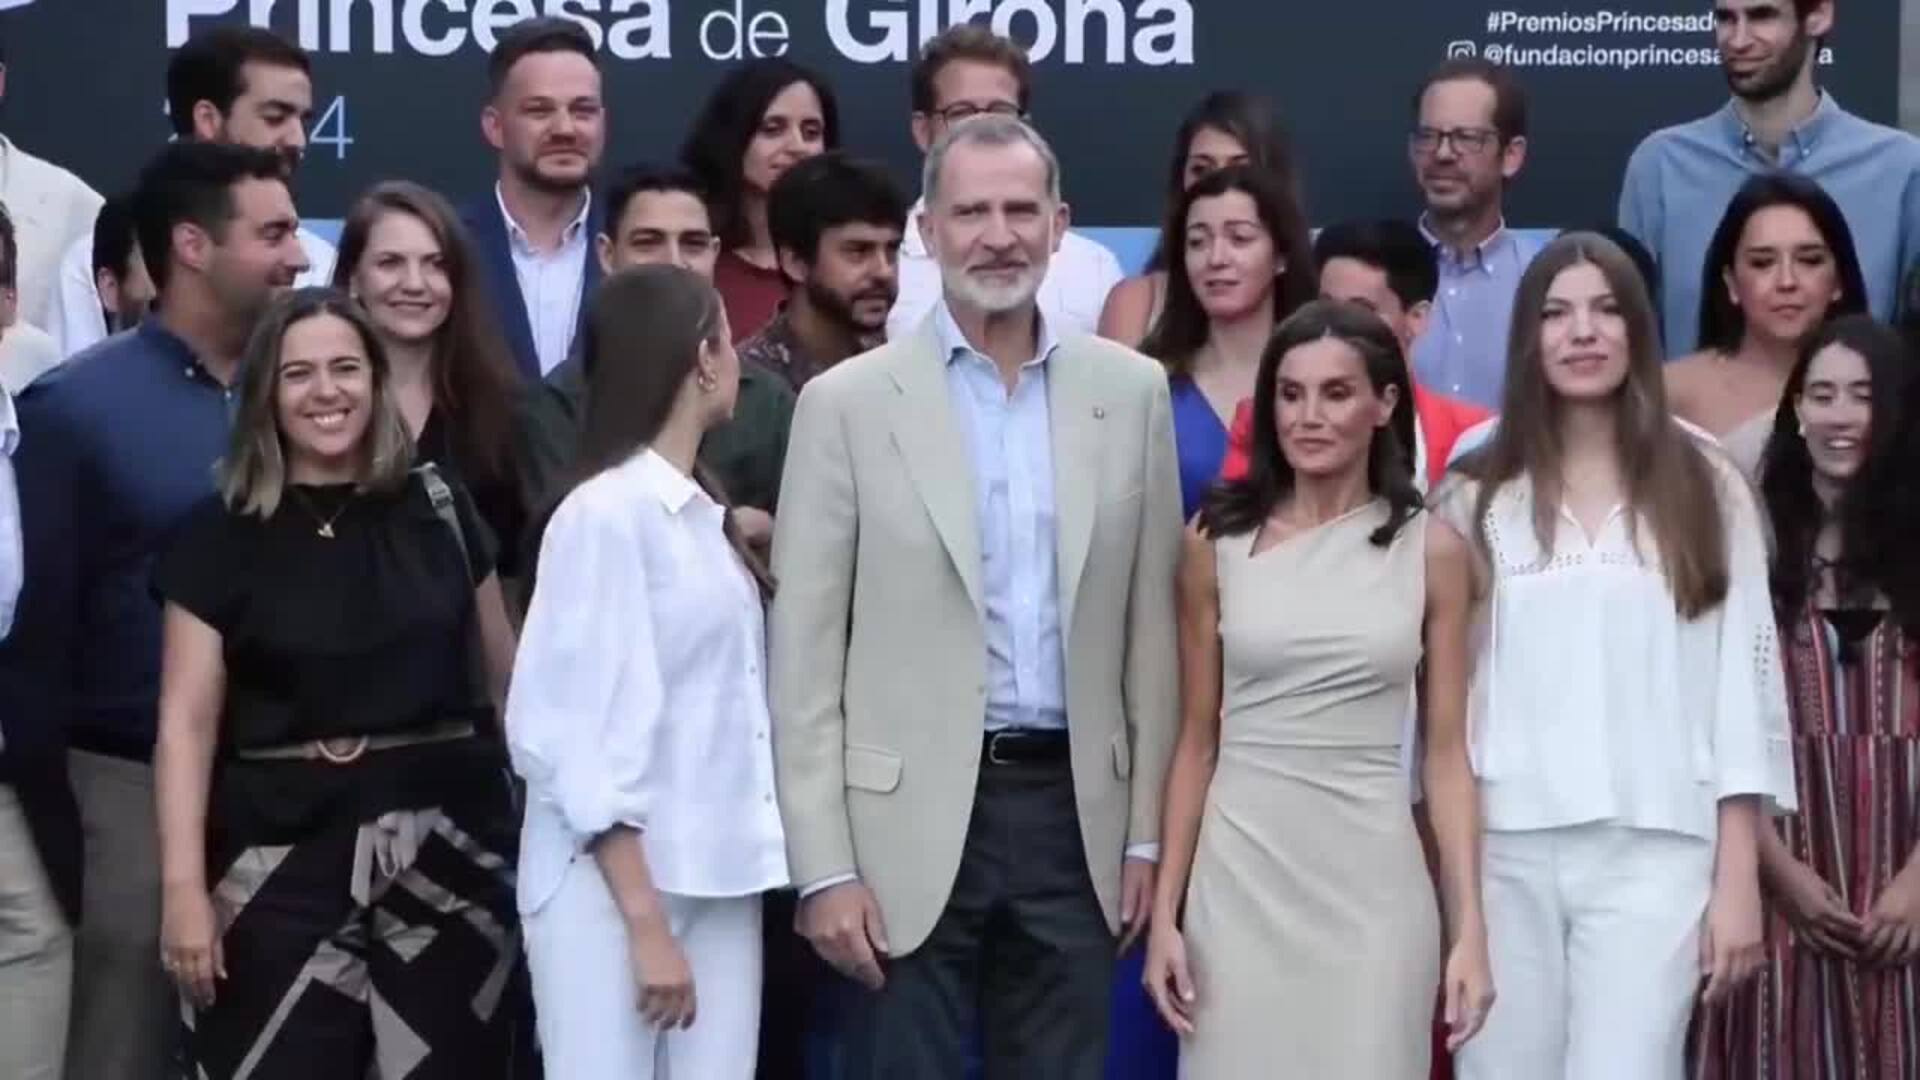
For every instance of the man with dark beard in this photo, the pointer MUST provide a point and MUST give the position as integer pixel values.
(1680, 178)
(836, 224)
(535, 229)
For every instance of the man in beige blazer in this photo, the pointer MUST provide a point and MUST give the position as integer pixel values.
(972, 649)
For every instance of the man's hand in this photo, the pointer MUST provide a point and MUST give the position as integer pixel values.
(1136, 899)
(842, 923)
(756, 526)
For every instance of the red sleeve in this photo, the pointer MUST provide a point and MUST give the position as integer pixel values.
(1239, 440)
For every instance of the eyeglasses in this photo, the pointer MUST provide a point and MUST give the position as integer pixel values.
(967, 110)
(1426, 140)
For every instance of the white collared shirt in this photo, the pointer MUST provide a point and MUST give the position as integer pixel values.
(551, 282)
(1078, 280)
(1593, 700)
(74, 316)
(639, 693)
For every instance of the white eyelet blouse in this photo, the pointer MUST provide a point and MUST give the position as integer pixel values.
(1593, 700)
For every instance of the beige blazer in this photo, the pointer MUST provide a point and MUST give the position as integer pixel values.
(877, 644)
(50, 208)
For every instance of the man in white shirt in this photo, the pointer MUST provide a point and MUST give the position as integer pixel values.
(36, 943)
(51, 208)
(25, 352)
(534, 230)
(232, 84)
(969, 71)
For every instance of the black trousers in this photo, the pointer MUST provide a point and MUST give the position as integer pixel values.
(1021, 955)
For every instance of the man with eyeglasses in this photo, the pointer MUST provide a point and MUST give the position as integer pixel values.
(1679, 179)
(964, 72)
(1468, 142)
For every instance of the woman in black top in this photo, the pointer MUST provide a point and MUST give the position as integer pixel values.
(406, 259)
(336, 845)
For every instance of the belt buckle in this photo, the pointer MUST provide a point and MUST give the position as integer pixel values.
(993, 747)
(356, 746)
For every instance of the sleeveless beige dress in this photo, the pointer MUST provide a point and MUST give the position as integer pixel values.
(1311, 923)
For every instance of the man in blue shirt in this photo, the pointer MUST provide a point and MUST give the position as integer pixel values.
(115, 447)
(1680, 178)
(1468, 142)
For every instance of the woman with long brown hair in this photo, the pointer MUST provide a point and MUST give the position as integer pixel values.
(406, 259)
(1628, 717)
(1839, 998)
(334, 838)
(639, 715)
(1242, 262)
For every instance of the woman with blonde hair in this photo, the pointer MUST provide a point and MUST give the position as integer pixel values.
(335, 840)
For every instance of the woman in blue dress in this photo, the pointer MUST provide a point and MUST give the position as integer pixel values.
(1243, 263)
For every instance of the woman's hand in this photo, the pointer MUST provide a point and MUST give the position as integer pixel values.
(1732, 945)
(1818, 916)
(1892, 930)
(190, 944)
(1166, 977)
(662, 976)
(1469, 987)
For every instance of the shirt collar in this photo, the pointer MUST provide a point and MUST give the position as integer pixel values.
(518, 236)
(953, 344)
(661, 479)
(173, 350)
(1481, 254)
(1803, 136)
(912, 244)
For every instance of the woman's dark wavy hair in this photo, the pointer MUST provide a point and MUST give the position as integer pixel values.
(1243, 505)
(1879, 523)
(1722, 324)
(716, 146)
(1181, 330)
(1255, 125)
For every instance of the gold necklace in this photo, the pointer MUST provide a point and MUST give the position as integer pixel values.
(325, 530)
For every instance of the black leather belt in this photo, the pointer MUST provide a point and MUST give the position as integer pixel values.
(1025, 746)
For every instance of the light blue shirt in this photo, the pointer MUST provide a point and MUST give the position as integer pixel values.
(1009, 440)
(1680, 178)
(1463, 352)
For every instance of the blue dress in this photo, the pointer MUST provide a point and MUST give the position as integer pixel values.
(1141, 1047)
(1200, 440)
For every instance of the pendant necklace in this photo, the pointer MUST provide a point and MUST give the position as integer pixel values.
(325, 531)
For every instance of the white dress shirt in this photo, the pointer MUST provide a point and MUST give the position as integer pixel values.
(74, 315)
(551, 282)
(26, 353)
(49, 207)
(12, 566)
(1594, 701)
(639, 693)
(1078, 280)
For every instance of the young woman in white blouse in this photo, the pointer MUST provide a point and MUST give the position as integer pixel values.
(1628, 714)
(638, 716)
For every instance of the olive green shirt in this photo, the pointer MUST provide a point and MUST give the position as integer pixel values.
(745, 454)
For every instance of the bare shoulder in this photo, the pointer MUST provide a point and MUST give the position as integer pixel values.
(1446, 548)
(1128, 307)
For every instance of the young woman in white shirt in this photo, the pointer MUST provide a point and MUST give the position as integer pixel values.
(638, 716)
(1628, 715)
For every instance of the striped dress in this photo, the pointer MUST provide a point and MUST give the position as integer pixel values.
(1809, 1015)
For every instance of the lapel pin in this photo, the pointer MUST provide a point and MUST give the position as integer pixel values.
(1099, 413)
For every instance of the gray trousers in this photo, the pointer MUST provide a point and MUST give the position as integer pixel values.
(36, 957)
(1022, 954)
(125, 1011)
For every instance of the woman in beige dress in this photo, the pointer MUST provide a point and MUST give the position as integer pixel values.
(1311, 590)
(1779, 266)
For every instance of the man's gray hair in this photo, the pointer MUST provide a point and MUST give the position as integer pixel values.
(988, 130)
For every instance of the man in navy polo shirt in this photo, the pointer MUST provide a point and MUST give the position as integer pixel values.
(115, 447)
